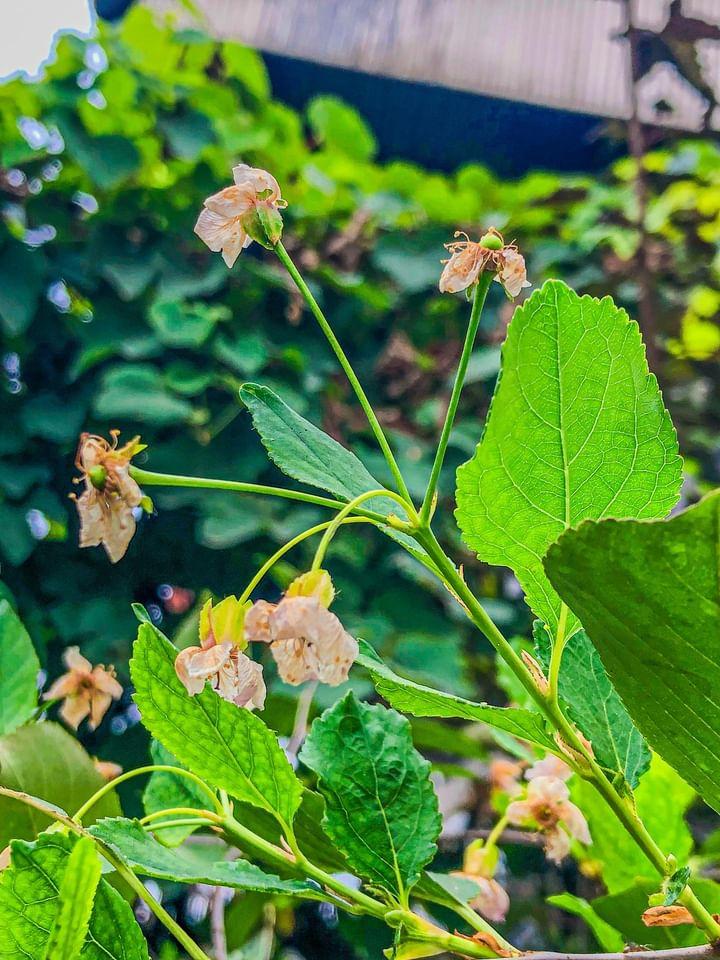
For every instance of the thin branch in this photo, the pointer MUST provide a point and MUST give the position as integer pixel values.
(704, 952)
(217, 924)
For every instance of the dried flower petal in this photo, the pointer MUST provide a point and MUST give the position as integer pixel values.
(108, 770)
(467, 259)
(671, 916)
(511, 271)
(310, 643)
(257, 622)
(86, 691)
(233, 217)
(106, 511)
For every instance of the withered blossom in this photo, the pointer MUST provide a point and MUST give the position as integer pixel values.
(105, 507)
(307, 641)
(505, 775)
(107, 769)
(219, 659)
(235, 216)
(547, 805)
(672, 916)
(469, 258)
(86, 691)
(479, 865)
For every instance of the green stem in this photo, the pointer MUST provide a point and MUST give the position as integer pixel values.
(172, 811)
(556, 655)
(338, 521)
(182, 822)
(271, 561)
(478, 302)
(316, 311)
(148, 478)
(151, 768)
(139, 888)
(590, 770)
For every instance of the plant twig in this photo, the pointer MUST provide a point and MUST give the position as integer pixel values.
(705, 951)
(217, 923)
(316, 311)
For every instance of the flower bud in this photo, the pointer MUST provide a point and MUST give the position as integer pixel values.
(223, 623)
(97, 477)
(314, 583)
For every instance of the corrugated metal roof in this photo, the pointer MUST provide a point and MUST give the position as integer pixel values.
(562, 53)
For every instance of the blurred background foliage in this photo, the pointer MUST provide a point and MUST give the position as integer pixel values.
(113, 314)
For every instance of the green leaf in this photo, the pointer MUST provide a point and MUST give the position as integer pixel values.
(593, 703)
(608, 938)
(42, 759)
(136, 392)
(305, 453)
(661, 800)
(19, 667)
(30, 904)
(445, 889)
(339, 127)
(76, 895)
(675, 886)
(577, 430)
(381, 809)
(229, 747)
(649, 596)
(185, 324)
(165, 790)
(421, 701)
(146, 856)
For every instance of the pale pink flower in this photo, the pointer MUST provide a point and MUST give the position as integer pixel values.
(505, 774)
(106, 506)
(233, 217)
(549, 766)
(467, 259)
(307, 641)
(511, 271)
(548, 807)
(479, 865)
(86, 691)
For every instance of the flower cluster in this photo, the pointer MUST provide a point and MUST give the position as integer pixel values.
(307, 642)
(468, 259)
(106, 505)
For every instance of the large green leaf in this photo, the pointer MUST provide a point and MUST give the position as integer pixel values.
(165, 790)
(30, 904)
(421, 701)
(593, 703)
(577, 430)
(649, 596)
(43, 760)
(661, 801)
(19, 668)
(381, 809)
(227, 746)
(151, 859)
(76, 895)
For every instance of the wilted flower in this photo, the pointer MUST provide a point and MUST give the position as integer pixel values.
(307, 641)
(548, 806)
(84, 689)
(220, 660)
(479, 865)
(549, 766)
(504, 775)
(106, 505)
(249, 210)
(671, 916)
(469, 258)
(511, 271)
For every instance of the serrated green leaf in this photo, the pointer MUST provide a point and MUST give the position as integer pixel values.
(165, 790)
(146, 856)
(76, 897)
(608, 938)
(45, 761)
(421, 701)
(595, 706)
(577, 430)
(675, 886)
(19, 667)
(306, 453)
(649, 596)
(381, 809)
(661, 801)
(30, 904)
(229, 747)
